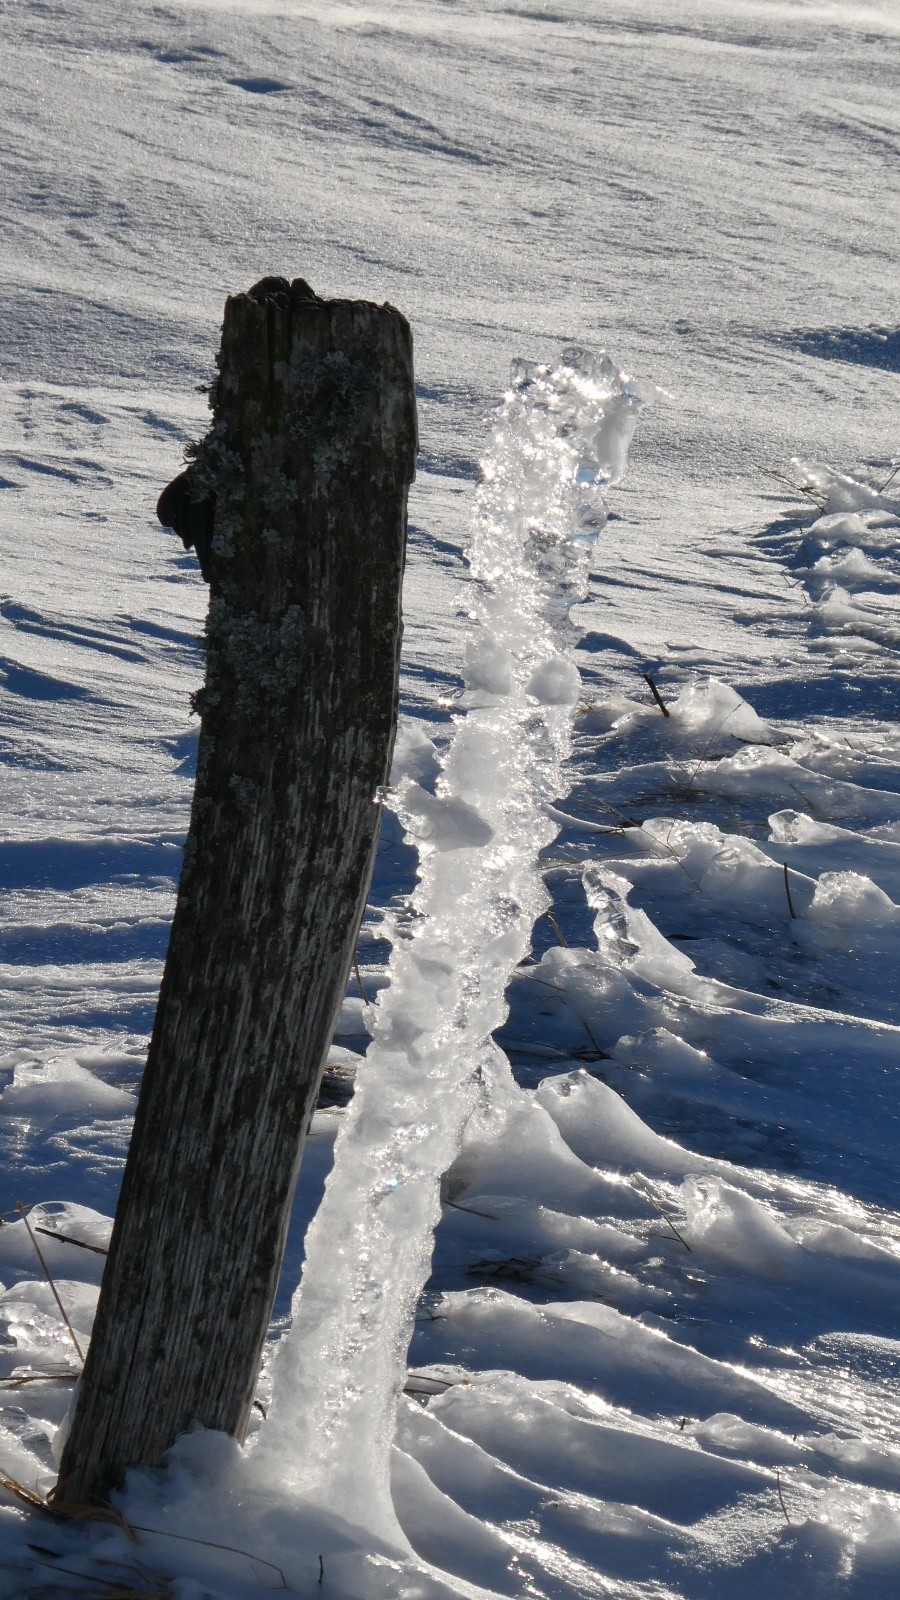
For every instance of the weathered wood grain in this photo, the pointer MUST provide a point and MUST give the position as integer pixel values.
(310, 455)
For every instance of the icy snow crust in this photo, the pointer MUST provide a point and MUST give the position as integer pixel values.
(561, 436)
(653, 1345)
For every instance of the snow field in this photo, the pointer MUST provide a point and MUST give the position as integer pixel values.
(666, 1274)
(656, 1356)
(762, 1288)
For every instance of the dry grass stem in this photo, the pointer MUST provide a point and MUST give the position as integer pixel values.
(101, 1511)
(213, 1544)
(118, 1588)
(47, 1274)
(362, 988)
(108, 1513)
(807, 490)
(666, 1219)
(601, 1054)
(61, 1375)
(557, 930)
(26, 1497)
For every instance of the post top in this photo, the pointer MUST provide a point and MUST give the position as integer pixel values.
(297, 295)
(278, 291)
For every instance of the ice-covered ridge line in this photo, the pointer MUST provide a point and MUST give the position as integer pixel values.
(560, 436)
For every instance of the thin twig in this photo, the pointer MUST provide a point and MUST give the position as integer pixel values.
(624, 820)
(797, 583)
(543, 983)
(64, 1375)
(648, 842)
(600, 1054)
(321, 1577)
(667, 1220)
(100, 1511)
(472, 1210)
(656, 694)
(890, 478)
(787, 890)
(581, 861)
(65, 1238)
(781, 1497)
(566, 946)
(426, 1377)
(74, 1511)
(807, 489)
(709, 744)
(362, 988)
(47, 1274)
(557, 814)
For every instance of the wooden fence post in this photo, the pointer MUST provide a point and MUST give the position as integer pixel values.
(310, 455)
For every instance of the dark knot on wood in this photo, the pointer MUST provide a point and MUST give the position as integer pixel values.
(279, 292)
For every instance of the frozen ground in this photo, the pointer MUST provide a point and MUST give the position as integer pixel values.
(656, 1355)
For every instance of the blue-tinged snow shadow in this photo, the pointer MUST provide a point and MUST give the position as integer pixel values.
(834, 695)
(421, 703)
(74, 863)
(447, 466)
(186, 638)
(68, 944)
(183, 750)
(34, 685)
(594, 643)
(70, 1149)
(261, 85)
(318, 1156)
(861, 347)
(107, 642)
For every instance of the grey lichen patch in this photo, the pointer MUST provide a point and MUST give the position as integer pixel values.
(258, 660)
(329, 400)
(217, 468)
(245, 791)
(279, 493)
(217, 616)
(223, 538)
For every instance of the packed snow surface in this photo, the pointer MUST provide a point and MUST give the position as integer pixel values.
(601, 1294)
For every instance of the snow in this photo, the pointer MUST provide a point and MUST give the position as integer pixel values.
(600, 1296)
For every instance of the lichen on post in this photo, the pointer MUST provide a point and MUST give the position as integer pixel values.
(310, 455)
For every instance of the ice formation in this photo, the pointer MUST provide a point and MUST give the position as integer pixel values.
(560, 436)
